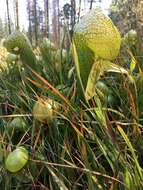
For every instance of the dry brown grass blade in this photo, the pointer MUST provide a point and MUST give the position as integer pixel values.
(80, 169)
(46, 83)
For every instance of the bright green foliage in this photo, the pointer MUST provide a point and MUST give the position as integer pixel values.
(130, 38)
(96, 38)
(17, 43)
(99, 34)
(11, 58)
(17, 124)
(16, 160)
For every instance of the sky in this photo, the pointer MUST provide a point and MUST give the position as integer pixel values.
(22, 9)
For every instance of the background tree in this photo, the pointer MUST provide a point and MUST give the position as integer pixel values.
(29, 20)
(36, 28)
(55, 22)
(8, 16)
(16, 11)
(46, 10)
(2, 29)
(35, 20)
(128, 14)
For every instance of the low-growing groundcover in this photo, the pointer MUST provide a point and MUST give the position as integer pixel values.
(63, 132)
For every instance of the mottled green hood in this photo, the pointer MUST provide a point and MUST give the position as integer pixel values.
(16, 42)
(99, 34)
(96, 40)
